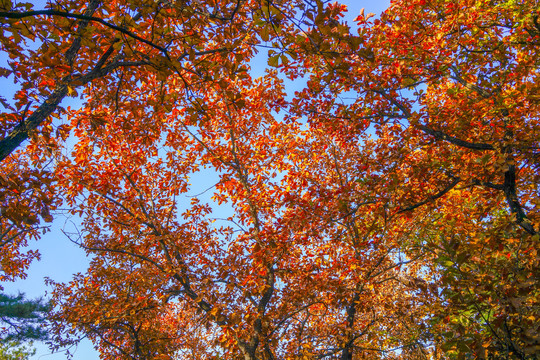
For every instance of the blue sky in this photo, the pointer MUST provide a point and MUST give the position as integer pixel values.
(60, 259)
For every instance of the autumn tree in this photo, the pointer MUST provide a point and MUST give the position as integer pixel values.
(449, 90)
(387, 210)
(76, 48)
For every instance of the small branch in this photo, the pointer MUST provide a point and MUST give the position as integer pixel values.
(488, 184)
(433, 197)
(483, 93)
(22, 15)
(76, 44)
(454, 140)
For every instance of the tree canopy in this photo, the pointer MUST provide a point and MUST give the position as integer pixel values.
(386, 209)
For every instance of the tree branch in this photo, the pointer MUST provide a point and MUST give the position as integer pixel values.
(22, 131)
(509, 189)
(454, 140)
(432, 197)
(24, 14)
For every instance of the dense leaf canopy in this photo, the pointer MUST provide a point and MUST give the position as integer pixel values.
(387, 209)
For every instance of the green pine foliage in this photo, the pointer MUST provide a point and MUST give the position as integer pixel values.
(21, 319)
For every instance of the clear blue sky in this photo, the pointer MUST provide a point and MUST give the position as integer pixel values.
(61, 259)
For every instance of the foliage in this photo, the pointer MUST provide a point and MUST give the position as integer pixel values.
(13, 350)
(22, 320)
(389, 209)
(455, 112)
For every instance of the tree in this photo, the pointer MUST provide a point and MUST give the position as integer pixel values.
(387, 210)
(13, 350)
(22, 322)
(22, 319)
(450, 89)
